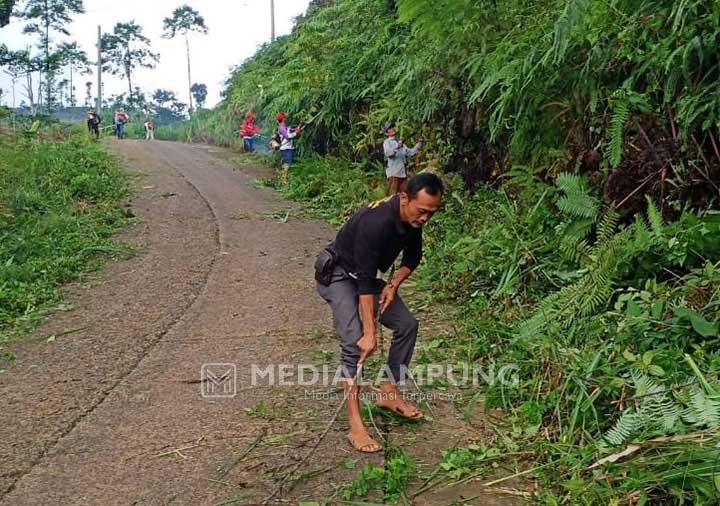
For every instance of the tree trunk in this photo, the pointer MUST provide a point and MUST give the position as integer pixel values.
(14, 79)
(187, 48)
(127, 73)
(48, 90)
(29, 92)
(40, 91)
(72, 92)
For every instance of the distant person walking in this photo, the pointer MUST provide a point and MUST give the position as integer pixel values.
(93, 123)
(149, 130)
(287, 147)
(397, 155)
(248, 131)
(120, 119)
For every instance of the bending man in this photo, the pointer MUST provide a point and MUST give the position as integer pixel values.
(370, 241)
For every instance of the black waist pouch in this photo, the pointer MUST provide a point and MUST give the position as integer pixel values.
(325, 264)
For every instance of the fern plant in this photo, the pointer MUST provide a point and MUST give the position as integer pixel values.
(661, 410)
(576, 200)
(621, 111)
(602, 265)
(581, 209)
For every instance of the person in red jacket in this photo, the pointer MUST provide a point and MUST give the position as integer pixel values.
(248, 131)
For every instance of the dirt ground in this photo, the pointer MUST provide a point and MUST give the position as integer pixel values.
(110, 410)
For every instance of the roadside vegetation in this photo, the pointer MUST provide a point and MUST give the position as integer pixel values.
(61, 199)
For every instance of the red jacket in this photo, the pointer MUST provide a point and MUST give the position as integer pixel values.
(249, 128)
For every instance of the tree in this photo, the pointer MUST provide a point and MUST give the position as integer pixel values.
(125, 50)
(6, 7)
(137, 101)
(166, 107)
(63, 91)
(74, 58)
(20, 64)
(134, 101)
(88, 94)
(4, 54)
(199, 93)
(44, 16)
(14, 76)
(184, 20)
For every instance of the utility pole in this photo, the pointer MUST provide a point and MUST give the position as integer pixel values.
(187, 47)
(98, 106)
(272, 20)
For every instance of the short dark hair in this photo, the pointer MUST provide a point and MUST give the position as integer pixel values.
(425, 181)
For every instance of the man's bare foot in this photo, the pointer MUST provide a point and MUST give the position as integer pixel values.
(362, 441)
(390, 397)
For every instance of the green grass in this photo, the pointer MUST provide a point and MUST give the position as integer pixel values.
(220, 128)
(392, 480)
(60, 203)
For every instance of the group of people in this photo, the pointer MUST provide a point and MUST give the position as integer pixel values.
(394, 148)
(120, 119)
(282, 141)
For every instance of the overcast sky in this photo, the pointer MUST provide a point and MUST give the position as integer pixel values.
(236, 29)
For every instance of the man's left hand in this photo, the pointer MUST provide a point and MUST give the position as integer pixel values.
(387, 296)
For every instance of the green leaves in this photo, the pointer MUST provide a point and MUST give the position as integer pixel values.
(184, 19)
(621, 111)
(565, 25)
(703, 327)
(126, 49)
(698, 322)
(370, 478)
(576, 200)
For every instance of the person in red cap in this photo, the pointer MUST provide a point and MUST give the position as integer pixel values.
(287, 149)
(248, 131)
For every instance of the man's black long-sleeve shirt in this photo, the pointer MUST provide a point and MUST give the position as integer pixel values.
(372, 239)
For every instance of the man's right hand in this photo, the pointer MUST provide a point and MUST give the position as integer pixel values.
(367, 345)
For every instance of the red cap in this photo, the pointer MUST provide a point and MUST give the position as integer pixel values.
(281, 116)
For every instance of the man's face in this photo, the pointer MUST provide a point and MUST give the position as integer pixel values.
(418, 211)
(391, 132)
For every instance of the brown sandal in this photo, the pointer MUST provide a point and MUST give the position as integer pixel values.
(362, 443)
(397, 409)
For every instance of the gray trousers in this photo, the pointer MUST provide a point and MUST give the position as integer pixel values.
(343, 298)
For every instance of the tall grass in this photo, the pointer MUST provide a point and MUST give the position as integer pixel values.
(60, 203)
(212, 127)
